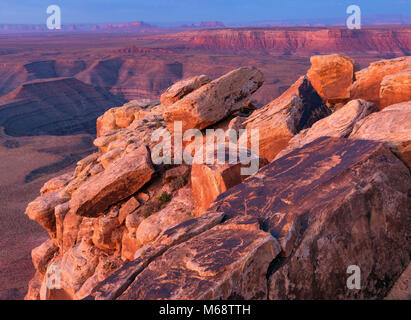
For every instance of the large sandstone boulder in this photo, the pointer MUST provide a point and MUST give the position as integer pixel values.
(42, 255)
(367, 83)
(339, 125)
(122, 117)
(395, 88)
(41, 210)
(116, 284)
(178, 210)
(215, 100)
(123, 178)
(332, 76)
(228, 261)
(182, 88)
(331, 204)
(208, 180)
(391, 126)
(276, 123)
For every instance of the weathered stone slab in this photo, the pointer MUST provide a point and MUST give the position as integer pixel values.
(333, 203)
(116, 284)
(123, 178)
(391, 126)
(229, 260)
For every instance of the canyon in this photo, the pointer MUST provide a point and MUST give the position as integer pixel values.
(333, 191)
(53, 87)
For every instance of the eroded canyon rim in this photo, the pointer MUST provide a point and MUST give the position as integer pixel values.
(334, 190)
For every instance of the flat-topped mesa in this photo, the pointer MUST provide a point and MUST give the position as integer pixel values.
(214, 101)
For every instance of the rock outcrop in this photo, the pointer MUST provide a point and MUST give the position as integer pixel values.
(367, 83)
(332, 76)
(214, 101)
(391, 126)
(208, 180)
(331, 204)
(229, 260)
(276, 123)
(180, 89)
(395, 88)
(123, 178)
(338, 125)
(337, 194)
(122, 117)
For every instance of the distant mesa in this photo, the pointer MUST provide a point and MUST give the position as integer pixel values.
(56, 106)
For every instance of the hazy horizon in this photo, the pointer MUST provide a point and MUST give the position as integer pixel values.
(177, 12)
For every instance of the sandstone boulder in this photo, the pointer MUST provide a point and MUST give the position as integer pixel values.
(228, 261)
(367, 83)
(391, 126)
(42, 210)
(33, 291)
(123, 178)
(179, 209)
(122, 117)
(332, 76)
(76, 266)
(402, 287)
(208, 180)
(331, 204)
(56, 184)
(395, 88)
(215, 100)
(127, 208)
(43, 254)
(182, 88)
(116, 284)
(106, 235)
(276, 123)
(339, 125)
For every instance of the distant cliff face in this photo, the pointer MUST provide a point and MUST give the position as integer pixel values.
(299, 40)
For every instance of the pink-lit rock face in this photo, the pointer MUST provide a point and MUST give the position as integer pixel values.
(367, 83)
(395, 88)
(277, 122)
(214, 101)
(391, 126)
(121, 227)
(332, 76)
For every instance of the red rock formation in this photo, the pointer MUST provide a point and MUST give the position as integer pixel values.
(121, 228)
(277, 122)
(297, 40)
(332, 77)
(391, 126)
(214, 101)
(312, 202)
(395, 88)
(367, 83)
